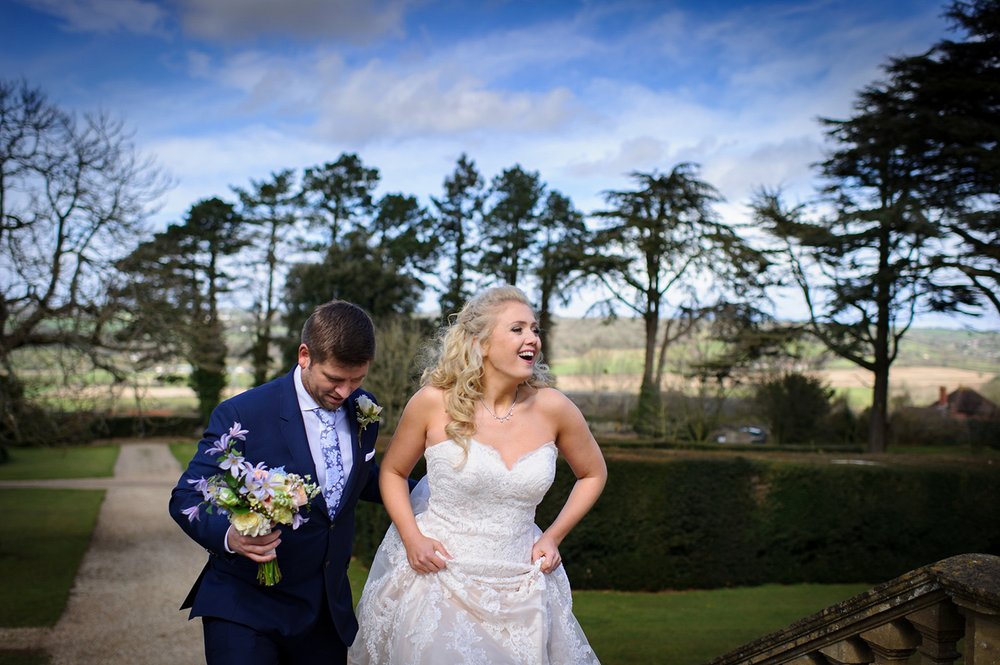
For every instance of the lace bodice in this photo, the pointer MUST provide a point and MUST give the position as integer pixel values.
(482, 509)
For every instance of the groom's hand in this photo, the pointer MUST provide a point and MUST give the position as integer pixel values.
(255, 548)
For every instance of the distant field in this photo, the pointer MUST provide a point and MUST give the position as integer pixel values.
(599, 357)
(978, 351)
(920, 383)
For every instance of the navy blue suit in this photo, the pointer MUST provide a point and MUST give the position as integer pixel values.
(313, 558)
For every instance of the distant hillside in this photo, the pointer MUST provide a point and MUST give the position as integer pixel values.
(921, 347)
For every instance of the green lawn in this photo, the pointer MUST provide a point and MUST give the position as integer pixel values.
(183, 452)
(692, 627)
(46, 533)
(61, 462)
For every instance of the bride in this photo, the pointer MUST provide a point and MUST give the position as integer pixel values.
(464, 575)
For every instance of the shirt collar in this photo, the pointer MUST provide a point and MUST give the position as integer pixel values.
(306, 401)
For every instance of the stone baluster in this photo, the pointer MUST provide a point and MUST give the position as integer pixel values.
(809, 659)
(982, 633)
(851, 651)
(892, 642)
(940, 627)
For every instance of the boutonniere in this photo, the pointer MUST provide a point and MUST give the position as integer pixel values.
(368, 412)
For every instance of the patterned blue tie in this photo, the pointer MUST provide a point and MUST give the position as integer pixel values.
(329, 443)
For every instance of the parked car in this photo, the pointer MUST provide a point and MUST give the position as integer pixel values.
(741, 434)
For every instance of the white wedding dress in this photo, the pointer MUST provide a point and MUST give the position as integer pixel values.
(491, 605)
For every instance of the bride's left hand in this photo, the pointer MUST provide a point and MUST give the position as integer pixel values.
(546, 547)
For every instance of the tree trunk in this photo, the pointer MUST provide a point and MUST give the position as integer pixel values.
(878, 421)
(262, 348)
(647, 415)
(545, 322)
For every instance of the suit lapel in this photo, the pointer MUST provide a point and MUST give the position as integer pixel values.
(293, 430)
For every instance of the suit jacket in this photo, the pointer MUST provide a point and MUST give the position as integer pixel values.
(313, 558)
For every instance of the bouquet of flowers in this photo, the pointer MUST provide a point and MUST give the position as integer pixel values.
(254, 498)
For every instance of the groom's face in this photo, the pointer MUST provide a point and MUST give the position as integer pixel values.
(330, 383)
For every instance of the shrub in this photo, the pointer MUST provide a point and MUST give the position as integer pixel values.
(911, 426)
(795, 406)
(707, 523)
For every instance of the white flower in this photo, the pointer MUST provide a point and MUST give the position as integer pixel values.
(368, 412)
(251, 524)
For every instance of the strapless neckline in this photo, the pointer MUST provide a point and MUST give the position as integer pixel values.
(496, 451)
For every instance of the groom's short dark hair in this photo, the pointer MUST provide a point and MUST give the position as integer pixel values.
(341, 331)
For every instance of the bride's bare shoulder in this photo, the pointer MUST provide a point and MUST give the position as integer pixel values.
(427, 397)
(550, 398)
(426, 393)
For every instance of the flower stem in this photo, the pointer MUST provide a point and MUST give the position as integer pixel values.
(268, 573)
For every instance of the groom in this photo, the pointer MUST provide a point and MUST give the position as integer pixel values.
(308, 422)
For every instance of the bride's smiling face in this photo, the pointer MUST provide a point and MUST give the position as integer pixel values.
(513, 346)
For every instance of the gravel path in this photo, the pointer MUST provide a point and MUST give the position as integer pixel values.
(123, 607)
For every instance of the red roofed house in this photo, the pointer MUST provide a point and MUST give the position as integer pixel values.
(965, 404)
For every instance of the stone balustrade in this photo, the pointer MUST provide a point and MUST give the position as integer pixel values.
(930, 616)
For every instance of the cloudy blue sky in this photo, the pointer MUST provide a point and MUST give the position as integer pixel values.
(222, 91)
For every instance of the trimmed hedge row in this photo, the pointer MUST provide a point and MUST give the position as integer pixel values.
(71, 428)
(712, 523)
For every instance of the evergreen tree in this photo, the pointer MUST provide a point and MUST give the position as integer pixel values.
(177, 281)
(511, 224)
(661, 239)
(904, 179)
(340, 194)
(271, 208)
(459, 213)
(562, 259)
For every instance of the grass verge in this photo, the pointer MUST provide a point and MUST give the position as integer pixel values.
(183, 451)
(692, 627)
(46, 533)
(61, 462)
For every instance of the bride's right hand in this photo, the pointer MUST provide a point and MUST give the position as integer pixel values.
(426, 555)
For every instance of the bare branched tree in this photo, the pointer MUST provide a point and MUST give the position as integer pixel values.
(74, 194)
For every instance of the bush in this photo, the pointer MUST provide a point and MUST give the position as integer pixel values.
(795, 407)
(715, 523)
(911, 426)
(395, 373)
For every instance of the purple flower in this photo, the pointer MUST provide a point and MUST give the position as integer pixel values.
(256, 481)
(192, 513)
(233, 463)
(217, 449)
(298, 519)
(201, 484)
(237, 432)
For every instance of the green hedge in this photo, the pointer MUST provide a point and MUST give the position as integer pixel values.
(713, 523)
(75, 427)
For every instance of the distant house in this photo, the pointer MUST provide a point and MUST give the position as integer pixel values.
(965, 404)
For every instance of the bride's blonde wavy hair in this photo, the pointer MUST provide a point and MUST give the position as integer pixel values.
(456, 365)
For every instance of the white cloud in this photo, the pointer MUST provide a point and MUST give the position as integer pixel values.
(378, 103)
(208, 166)
(104, 16)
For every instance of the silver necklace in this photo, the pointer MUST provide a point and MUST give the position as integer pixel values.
(510, 412)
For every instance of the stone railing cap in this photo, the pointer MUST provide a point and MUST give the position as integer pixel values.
(972, 576)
